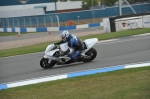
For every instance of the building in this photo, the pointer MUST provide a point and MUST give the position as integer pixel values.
(16, 8)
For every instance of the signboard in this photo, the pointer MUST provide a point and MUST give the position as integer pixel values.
(128, 23)
(106, 25)
(146, 21)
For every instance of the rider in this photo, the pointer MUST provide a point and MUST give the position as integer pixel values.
(73, 42)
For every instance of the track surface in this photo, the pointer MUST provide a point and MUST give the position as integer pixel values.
(123, 51)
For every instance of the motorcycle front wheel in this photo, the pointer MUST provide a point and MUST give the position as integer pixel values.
(91, 54)
(44, 63)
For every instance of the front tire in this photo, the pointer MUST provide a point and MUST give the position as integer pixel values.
(44, 63)
(91, 55)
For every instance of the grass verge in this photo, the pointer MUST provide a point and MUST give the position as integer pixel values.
(121, 84)
(7, 33)
(41, 47)
(13, 33)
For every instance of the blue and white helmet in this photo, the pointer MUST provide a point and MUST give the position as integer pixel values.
(64, 35)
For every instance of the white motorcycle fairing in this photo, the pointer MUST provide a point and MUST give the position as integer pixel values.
(49, 52)
(89, 43)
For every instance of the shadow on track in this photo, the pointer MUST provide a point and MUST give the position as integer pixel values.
(68, 65)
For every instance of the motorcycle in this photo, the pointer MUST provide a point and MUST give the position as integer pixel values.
(55, 55)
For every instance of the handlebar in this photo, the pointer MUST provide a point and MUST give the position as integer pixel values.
(57, 46)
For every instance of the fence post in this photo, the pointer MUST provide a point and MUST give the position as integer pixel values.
(3, 23)
(24, 22)
(18, 22)
(120, 7)
(57, 20)
(51, 21)
(36, 21)
(30, 21)
(8, 22)
(44, 22)
(13, 22)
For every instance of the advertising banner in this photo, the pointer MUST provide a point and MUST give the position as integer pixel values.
(128, 23)
(146, 21)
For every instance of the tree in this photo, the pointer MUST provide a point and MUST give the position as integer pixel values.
(89, 2)
(109, 2)
(134, 1)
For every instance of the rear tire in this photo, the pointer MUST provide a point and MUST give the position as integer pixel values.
(44, 63)
(92, 53)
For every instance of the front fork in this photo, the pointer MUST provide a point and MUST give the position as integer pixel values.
(49, 58)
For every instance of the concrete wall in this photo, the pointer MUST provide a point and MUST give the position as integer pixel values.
(49, 7)
(24, 12)
(69, 5)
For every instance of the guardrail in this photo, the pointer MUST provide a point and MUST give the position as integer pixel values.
(48, 21)
(48, 29)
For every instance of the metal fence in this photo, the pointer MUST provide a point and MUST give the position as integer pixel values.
(32, 21)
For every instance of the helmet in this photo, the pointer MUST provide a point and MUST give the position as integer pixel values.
(64, 35)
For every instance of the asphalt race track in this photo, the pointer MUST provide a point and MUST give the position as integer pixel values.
(122, 51)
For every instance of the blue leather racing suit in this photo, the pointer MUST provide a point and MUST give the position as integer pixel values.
(75, 43)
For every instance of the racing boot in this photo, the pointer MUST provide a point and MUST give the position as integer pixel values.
(79, 59)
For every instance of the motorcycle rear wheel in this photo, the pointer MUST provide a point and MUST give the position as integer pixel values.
(44, 63)
(92, 53)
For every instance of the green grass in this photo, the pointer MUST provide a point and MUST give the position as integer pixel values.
(112, 35)
(8, 33)
(122, 84)
(23, 50)
(41, 47)
(12, 33)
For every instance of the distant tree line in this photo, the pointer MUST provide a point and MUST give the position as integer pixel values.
(134, 1)
(89, 3)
